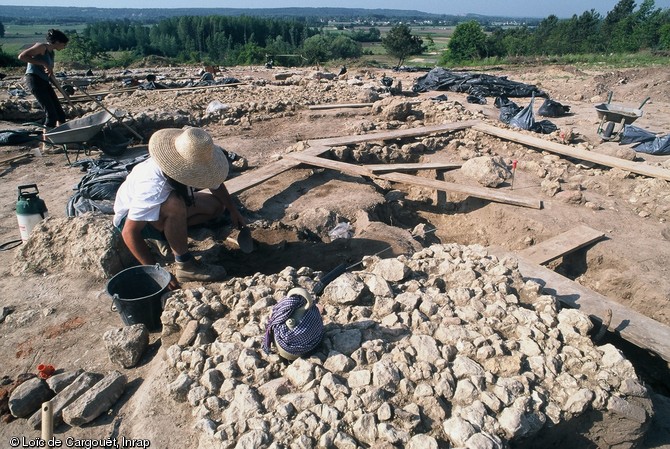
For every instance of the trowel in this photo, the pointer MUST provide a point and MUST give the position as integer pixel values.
(243, 240)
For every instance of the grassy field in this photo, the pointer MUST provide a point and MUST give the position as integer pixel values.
(18, 37)
(435, 38)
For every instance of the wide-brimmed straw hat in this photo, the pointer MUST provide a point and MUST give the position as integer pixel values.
(189, 156)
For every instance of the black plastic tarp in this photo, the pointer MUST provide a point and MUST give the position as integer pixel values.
(551, 108)
(508, 108)
(16, 137)
(479, 84)
(659, 146)
(634, 134)
(522, 118)
(96, 190)
(644, 141)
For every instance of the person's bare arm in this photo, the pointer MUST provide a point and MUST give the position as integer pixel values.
(28, 56)
(132, 236)
(222, 194)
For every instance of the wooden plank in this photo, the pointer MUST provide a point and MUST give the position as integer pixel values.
(255, 177)
(380, 168)
(566, 150)
(15, 158)
(316, 150)
(479, 192)
(318, 107)
(396, 134)
(350, 169)
(632, 326)
(211, 86)
(82, 97)
(562, 244)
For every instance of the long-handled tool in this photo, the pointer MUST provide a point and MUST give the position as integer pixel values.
(118, 119)
(65, 95)
(343, 267)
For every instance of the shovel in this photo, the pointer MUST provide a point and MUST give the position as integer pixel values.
(243, 240)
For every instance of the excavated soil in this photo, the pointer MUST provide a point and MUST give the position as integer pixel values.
(58, 306)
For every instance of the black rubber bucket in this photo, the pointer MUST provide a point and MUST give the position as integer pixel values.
(136, 294)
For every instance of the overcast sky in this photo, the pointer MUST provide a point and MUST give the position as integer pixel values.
(512, 8)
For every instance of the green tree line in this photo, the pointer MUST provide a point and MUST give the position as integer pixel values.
(625, 29)
(220, 39)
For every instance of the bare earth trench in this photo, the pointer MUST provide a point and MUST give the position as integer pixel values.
(59, 316)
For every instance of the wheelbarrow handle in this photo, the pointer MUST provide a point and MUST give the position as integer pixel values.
(118, 119)
(644, 102)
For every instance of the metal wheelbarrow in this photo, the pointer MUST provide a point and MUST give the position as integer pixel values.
(78, 132)
(613, 117)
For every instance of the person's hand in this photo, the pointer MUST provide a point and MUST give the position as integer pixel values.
(237, 219)
(174, 283)
(49, 71)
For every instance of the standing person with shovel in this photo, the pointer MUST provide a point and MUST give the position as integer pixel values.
(40, 71)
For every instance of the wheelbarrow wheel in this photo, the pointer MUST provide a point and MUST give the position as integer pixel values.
(609, 129)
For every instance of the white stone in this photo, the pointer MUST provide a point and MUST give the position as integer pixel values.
(426, 348)
(579, 402)
(359, 378)
(466, 367)
(422, 441)
(365, 428)
(300, 372)
(391, 270)
(458, 430)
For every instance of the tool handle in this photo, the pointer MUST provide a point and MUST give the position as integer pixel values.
(60, 89)
(329, 277)
(644, 102)
(118, 119)
(32, 187)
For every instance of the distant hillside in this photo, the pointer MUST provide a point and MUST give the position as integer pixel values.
(32, 14)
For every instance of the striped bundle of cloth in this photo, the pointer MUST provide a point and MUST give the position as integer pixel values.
(301, 339)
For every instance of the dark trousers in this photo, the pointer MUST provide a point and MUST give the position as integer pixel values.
(47, 98)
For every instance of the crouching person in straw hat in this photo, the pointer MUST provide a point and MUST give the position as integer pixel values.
(158, 200)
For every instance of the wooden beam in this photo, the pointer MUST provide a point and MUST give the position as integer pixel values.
(396, 134)
(479, 192)
(632, 326)
(318, 107)
(380, 168)
(255, 177)
(316, 150)
(566, 150)
(562, 244)
(210, 86)
(81, 98)
(15, 158)
(350, 169)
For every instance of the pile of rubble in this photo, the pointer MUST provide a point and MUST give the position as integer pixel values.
(447, 345)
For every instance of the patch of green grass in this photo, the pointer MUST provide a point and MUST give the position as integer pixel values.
(18, 37)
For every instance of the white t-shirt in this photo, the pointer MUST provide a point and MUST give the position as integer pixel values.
(140, 196)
